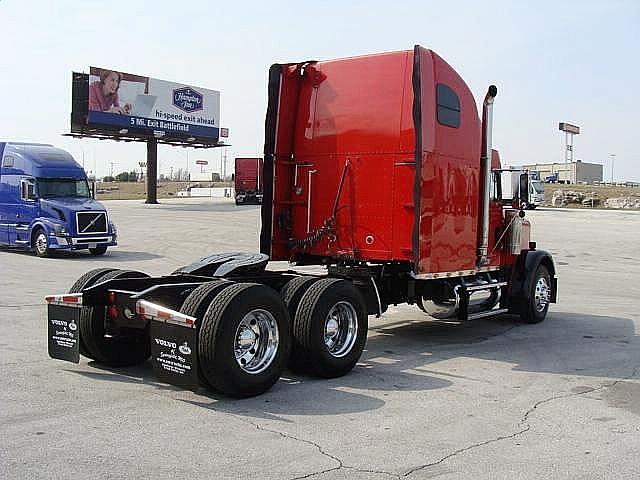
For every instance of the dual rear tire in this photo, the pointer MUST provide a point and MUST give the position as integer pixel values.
(127, 347)
(243, 340)
(246, 331)
(247, 335)
(330, 325)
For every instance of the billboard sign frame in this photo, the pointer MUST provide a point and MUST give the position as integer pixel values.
(143, 108)
(567, 127)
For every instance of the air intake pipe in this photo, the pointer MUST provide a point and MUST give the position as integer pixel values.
(485, 167)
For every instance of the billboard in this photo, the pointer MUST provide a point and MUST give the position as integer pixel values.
(111, 102)
(567, 127)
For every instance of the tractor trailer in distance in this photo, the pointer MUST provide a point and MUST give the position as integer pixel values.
(522, 184)
(248, 180)
(377, 167)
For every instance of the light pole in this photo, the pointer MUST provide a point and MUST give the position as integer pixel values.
(613, 159)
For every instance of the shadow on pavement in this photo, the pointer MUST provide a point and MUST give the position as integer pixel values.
(400, 356)
(113, 255)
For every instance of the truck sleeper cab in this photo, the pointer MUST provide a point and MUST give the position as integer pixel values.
(46, 203)
(378, 168)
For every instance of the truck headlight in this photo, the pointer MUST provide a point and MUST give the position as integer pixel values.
(59, 229)
(112, 227)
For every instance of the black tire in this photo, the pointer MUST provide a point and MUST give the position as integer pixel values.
(534, 311)
(293, 290)
(532, 206)
(40, 243)
(88, 279)
(291, 295)
(309, 327)
(196, 304)
(217, 340)
(130, 347)
(99, 250)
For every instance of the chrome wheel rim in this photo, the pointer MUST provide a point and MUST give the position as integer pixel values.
(542, 294)
(340, 329)
(41, 243)
(256, 341)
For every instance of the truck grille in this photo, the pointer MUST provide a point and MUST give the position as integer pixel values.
(91, 222)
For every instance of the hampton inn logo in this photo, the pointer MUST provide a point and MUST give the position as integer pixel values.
(187, 99)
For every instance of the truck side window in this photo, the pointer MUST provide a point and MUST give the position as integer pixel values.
(8, 161)
(448, 106)
(28, 189)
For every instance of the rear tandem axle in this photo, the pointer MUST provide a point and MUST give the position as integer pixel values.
(229, 325)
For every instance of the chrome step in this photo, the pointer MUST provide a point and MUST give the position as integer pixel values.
(489, 313)
(486, 286)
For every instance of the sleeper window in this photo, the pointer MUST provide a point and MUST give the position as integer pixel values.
(448, 106)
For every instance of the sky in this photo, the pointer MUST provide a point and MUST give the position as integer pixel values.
(576, 62)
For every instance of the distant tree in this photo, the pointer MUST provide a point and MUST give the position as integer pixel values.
(127, 177)
(108, 178)
(122, 177)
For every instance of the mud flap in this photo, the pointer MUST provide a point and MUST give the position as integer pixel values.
(64, 334)
(174, 353)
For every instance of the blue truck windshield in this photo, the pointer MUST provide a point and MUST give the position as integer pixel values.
(63, 187)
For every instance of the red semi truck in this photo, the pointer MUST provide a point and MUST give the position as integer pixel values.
(248, 180)
(377, 167)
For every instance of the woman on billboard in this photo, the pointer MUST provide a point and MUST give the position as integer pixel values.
(103, 94)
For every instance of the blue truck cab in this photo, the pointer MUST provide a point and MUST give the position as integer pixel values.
(46, 203)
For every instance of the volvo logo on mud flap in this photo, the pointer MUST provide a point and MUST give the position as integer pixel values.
(172, 354)
(165, 343)
(63, 333)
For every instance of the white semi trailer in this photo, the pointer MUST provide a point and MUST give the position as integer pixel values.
(519, 183)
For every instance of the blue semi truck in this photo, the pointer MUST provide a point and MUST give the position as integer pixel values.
(46, 203)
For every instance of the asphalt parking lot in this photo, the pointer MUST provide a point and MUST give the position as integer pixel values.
(494, 399)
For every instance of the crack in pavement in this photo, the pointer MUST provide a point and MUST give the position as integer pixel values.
(465, 449)
(308, 442)
(292, 437)
(523, 429)
(340, 464)
(524, 419)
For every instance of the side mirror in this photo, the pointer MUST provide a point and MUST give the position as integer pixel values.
(28, 190)
(523, 191)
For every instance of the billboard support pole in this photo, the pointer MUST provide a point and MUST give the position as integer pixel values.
(152, 171)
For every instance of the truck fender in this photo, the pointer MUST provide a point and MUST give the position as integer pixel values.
(522, 275)
(39, 223)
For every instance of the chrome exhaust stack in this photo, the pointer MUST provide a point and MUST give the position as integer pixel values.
(485, 175)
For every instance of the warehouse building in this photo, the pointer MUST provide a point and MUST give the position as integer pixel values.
(570, 172)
